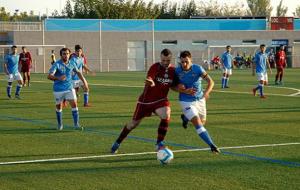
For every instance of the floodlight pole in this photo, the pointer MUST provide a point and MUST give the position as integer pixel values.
(153, 42)
(43, 32)
(100, 44)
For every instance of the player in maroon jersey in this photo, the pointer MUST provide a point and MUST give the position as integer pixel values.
(160, 78)
(280, 65)
(25, 61)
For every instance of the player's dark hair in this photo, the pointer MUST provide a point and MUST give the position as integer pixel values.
(77, 47)
(13, 46)
(166, 52)
(262, 45)
(185, 54)
(23, 47)
(228, 46)
(64, 49)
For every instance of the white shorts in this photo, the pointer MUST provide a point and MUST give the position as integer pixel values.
(13, 77)
(64, 95)
(227, 71)
(262, 76)
(77, 83)
(192, 109)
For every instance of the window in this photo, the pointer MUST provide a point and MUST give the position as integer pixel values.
(199, 42)
(248, 42)
(169, 42)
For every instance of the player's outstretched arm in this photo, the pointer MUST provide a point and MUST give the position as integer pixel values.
(5, 68)
(210, 85)
(85, 84)
(52, 77)
(149, 82)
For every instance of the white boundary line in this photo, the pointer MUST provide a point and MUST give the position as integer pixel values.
(139, 153)
(222, 91)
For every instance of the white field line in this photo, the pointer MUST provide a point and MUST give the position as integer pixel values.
(222, 91)
(139, 153)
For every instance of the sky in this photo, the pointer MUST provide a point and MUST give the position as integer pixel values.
(44, 6)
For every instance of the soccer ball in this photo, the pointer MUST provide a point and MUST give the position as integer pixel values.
(165, 156)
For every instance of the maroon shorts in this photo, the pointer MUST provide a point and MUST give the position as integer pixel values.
(146, 110)
(25, 68)
(279, 69)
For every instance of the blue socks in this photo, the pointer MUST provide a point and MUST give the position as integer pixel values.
(75, 115)
(86, 98)
(18, 89)
(59, 117)
(223, 82)
(260, 87)
(8, 90)
(203, 134)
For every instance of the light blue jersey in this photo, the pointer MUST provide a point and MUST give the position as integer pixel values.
(261, 62)
(12, 62)
(59, 69)
(190, 79)
(79, 61)
(227, 60)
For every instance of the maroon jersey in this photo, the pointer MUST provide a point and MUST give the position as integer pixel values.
(25, 58)
(163, 79)
(280, 59)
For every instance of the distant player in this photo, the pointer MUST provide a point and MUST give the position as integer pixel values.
(280, 65)
(260, 66)
(77, 83)
(11, 68)
(52, 57)
(192, 98)
(153, 100)
(26, 62)
(61, 74)
(227, 66)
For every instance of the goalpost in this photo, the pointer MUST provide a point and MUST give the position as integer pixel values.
(247, 51)
(41, 55)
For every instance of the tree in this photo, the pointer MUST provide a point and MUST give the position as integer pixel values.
(4, 16)
(188, 9)
(68, 11)
(281, 10)
(259, 8)
(297, 12)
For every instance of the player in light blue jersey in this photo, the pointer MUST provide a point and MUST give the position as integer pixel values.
(192, 97)
(11, 68)
(61, 73)
(227, 66)
(260, 66)
(77, 83)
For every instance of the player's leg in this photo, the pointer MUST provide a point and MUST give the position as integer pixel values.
(277, 76)
(260, 78)
(164, 114)
(24, 77)
(85, 96)
(139, 114)
(124, 133)
(228, 74)
(18, 77)
(59, 97)
(28, 78)
(72, 99)
(195, 116)
(223, 78)
(280, 75)
(10, 79)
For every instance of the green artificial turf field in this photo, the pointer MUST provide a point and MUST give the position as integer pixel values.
(236, 119)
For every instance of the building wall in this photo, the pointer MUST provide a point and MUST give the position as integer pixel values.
(114, 44)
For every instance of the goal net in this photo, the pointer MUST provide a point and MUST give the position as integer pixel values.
(242, 54)
(41, 55)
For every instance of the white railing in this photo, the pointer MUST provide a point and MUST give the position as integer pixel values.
(20, 26)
